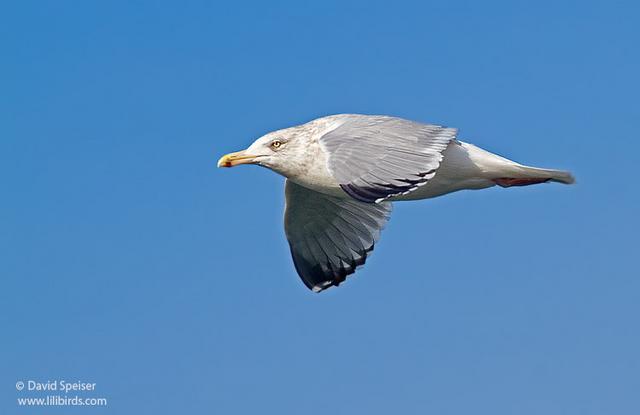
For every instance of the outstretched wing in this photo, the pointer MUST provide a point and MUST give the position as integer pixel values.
(377, 157)
(330, 236)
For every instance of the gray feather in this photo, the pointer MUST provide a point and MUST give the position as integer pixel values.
(329, 236)
(378, 157)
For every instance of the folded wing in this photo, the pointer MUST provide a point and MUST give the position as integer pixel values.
(329, 236)
(378, 157)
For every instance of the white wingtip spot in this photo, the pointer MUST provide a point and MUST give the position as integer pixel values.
(321, 286)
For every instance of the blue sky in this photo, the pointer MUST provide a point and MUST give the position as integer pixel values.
(129, 260)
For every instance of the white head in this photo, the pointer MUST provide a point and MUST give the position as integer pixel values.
(284, 151)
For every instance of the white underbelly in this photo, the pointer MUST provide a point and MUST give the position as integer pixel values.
(464, 166)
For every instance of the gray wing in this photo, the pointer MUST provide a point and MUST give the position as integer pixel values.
(330, 236)
(378, 157)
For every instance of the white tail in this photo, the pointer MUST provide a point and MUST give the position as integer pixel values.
(559, 176)
(466, 166)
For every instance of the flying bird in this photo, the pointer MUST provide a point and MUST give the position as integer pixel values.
(344, 171)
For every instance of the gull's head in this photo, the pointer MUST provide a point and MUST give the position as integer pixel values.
(284, 151)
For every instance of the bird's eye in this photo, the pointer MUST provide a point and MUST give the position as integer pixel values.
(276, 144)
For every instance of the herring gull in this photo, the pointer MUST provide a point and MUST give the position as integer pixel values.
(343, 171)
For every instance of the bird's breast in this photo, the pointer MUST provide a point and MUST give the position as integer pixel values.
(315, 174)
